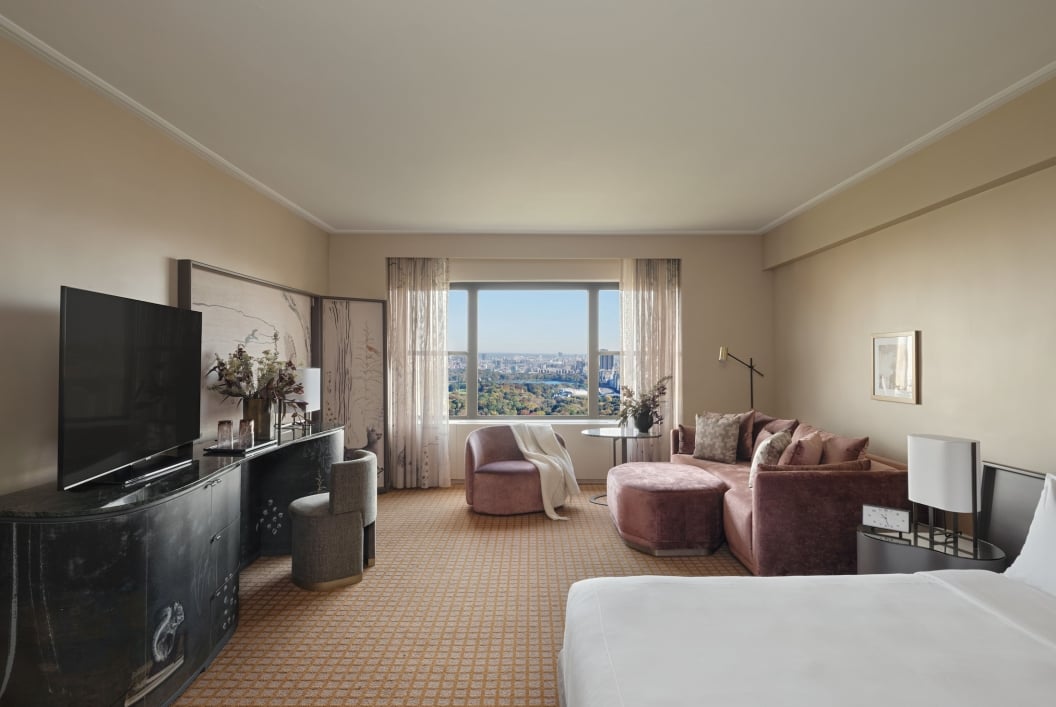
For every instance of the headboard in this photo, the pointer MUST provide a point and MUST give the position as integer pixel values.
(1008, 497)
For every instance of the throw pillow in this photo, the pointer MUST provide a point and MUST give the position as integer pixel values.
(843, 449)
(1034, 566)
(803, 451)
(771, 426)
(716, 437)
(759, 421)
(802, 430)
(768, 452)
(686, 441)
(745, 440)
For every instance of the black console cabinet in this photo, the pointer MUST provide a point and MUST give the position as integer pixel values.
(122, 597)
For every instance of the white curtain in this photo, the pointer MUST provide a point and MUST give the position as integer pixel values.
(418, 372)
(651, 310)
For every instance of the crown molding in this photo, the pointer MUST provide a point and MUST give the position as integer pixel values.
(972, 114)
(64, 63)
(645, 233)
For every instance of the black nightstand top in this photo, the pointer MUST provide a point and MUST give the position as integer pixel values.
(887, 551)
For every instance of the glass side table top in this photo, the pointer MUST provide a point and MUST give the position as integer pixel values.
(619, 433)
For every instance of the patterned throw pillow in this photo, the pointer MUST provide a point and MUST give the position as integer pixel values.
(768, 452)
(716, 437)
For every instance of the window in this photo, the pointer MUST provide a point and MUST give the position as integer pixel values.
(533, 349)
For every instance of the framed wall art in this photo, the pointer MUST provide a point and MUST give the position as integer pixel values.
(896, 367)
(354, 378)
(238, 309)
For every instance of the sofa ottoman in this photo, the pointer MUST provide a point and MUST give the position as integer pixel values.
(666, 509)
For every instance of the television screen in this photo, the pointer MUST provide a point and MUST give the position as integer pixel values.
(129, 382)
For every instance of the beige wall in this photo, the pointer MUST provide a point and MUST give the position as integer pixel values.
(92, 196)
(726, 300)
(965, 256)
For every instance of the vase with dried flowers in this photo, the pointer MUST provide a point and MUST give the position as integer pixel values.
(259, 381)
(644, 408)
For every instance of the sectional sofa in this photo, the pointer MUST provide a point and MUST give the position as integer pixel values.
(792, 519)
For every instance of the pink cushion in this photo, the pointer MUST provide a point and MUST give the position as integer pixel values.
(856, 465)
(843, 449)
(835, 449)
(759, 421)
(508, 466)
(773, 426)
(746, 438)
(686, 437)
(802, 430)
(803, 451)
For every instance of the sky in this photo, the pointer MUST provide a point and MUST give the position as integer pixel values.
(533, 321)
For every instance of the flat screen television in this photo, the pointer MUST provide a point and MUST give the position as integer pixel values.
(129, 384)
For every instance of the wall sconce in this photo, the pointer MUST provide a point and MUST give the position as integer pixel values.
(752, 372)
(944, 474)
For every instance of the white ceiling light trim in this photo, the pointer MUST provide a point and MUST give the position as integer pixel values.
(61, 61)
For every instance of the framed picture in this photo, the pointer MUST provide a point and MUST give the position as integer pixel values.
(354, 382)
(896, 367)
(238, 309)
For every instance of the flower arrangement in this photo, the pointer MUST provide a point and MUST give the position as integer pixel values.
(644, 409)
(241, 375)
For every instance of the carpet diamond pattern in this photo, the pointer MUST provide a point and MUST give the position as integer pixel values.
(460, 609)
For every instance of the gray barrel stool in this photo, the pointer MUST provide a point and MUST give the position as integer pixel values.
(333, 533)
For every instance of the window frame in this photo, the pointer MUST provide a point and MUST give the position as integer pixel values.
(472, 354)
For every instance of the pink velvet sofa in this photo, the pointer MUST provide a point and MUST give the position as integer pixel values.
(795, 520)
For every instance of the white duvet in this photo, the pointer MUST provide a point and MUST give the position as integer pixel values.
(952, 637)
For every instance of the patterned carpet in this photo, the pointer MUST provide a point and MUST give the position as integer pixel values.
(461, 609)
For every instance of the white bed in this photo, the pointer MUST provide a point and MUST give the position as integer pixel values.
(965, 637)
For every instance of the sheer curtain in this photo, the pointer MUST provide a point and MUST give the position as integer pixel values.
(418, 372)
(651, 310)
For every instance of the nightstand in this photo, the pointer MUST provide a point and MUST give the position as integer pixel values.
(888, 551)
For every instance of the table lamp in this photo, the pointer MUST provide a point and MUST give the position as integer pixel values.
(311, 399)
(944, 474)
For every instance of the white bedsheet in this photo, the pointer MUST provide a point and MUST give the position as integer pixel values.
(963, 637)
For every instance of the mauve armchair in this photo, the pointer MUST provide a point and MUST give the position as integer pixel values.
(499, 480)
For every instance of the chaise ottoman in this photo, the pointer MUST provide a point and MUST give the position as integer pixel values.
(666, 509)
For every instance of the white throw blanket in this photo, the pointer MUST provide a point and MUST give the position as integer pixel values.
(539, 445)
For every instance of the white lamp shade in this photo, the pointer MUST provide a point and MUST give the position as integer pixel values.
(941, 471)
(313, 391)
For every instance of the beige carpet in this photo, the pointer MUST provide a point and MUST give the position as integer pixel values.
(461, 609)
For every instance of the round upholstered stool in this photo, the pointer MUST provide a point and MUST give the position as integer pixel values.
(326, 547)
(333, 533)
(666, 509)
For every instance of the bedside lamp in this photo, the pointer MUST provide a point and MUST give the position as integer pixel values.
(752, 372)
(944, 474)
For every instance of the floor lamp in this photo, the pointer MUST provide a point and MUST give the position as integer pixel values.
(752, 372)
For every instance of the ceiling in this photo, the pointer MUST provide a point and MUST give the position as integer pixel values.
(549, 116)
